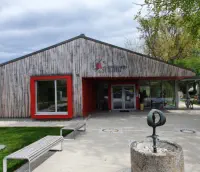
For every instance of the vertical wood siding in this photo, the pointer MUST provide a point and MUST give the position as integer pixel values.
(137, 65)
(75, 58)
(15, 77)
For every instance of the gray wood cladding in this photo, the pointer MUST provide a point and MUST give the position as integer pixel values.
(77, 58)
(15, 77)
(137, 65)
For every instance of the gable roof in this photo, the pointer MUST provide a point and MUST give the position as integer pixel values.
(91, 39)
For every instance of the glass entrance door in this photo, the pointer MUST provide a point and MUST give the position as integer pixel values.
(129, 97)
(123, 97)
(117, 97)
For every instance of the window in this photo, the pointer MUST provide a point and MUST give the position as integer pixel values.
(168, 91)
(51, 97)
(158, 94)
(145, 93)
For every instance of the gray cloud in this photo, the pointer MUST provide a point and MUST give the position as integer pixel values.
(28, 27)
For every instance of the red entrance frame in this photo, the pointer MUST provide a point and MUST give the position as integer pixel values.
(69, 113)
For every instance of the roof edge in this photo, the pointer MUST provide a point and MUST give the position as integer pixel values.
(43, 49)
(94, 40)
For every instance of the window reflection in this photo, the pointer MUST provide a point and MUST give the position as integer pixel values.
(117, 92)
(168, 91)
(145, 95)
(158, 94)
(47, 100)
(61, 96)
(129, 97)
(45, 96)
(117, 97)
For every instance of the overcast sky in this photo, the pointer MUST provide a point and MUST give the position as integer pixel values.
(29, 25)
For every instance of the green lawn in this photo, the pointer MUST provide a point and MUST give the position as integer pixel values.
(17, 137)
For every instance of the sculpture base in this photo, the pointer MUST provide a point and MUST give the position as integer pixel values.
(169, 157)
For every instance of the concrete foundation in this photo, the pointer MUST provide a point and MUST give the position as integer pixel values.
(168, 159)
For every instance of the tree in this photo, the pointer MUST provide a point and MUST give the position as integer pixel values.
(134, 45)
(166, 41)
(170, 28)
(189, 10)
(191, 63)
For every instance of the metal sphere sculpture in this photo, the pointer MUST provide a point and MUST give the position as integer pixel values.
(151, 121)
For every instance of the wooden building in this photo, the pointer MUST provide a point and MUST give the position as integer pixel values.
(82, 75)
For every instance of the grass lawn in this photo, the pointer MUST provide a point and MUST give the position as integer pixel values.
(16, 138)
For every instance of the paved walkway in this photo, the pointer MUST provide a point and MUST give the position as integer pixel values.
(27, 122)
(100, 151)
(182, 106)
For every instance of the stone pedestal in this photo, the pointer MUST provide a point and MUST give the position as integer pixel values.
(169, 157)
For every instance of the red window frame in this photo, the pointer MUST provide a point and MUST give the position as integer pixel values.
(69, 113)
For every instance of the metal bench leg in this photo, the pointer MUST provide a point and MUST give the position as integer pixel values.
(4, 165)
(74, 134)
(61, 132)
(61, 146)
(29, 166)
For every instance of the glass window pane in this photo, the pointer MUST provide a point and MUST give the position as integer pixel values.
(145, 95)
(45, 96)
(117, 92)
(117, 97)
(156, 94)
(129, 97)
(62, 96)
(117, 104)
(168, 92)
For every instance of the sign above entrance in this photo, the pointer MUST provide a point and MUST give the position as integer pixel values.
(100, 65)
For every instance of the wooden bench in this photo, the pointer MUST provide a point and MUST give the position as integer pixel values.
(75, 127)
(34, 150)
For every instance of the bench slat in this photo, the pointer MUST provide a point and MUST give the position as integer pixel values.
(35, 148)
(74, 126)
(36, 155)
